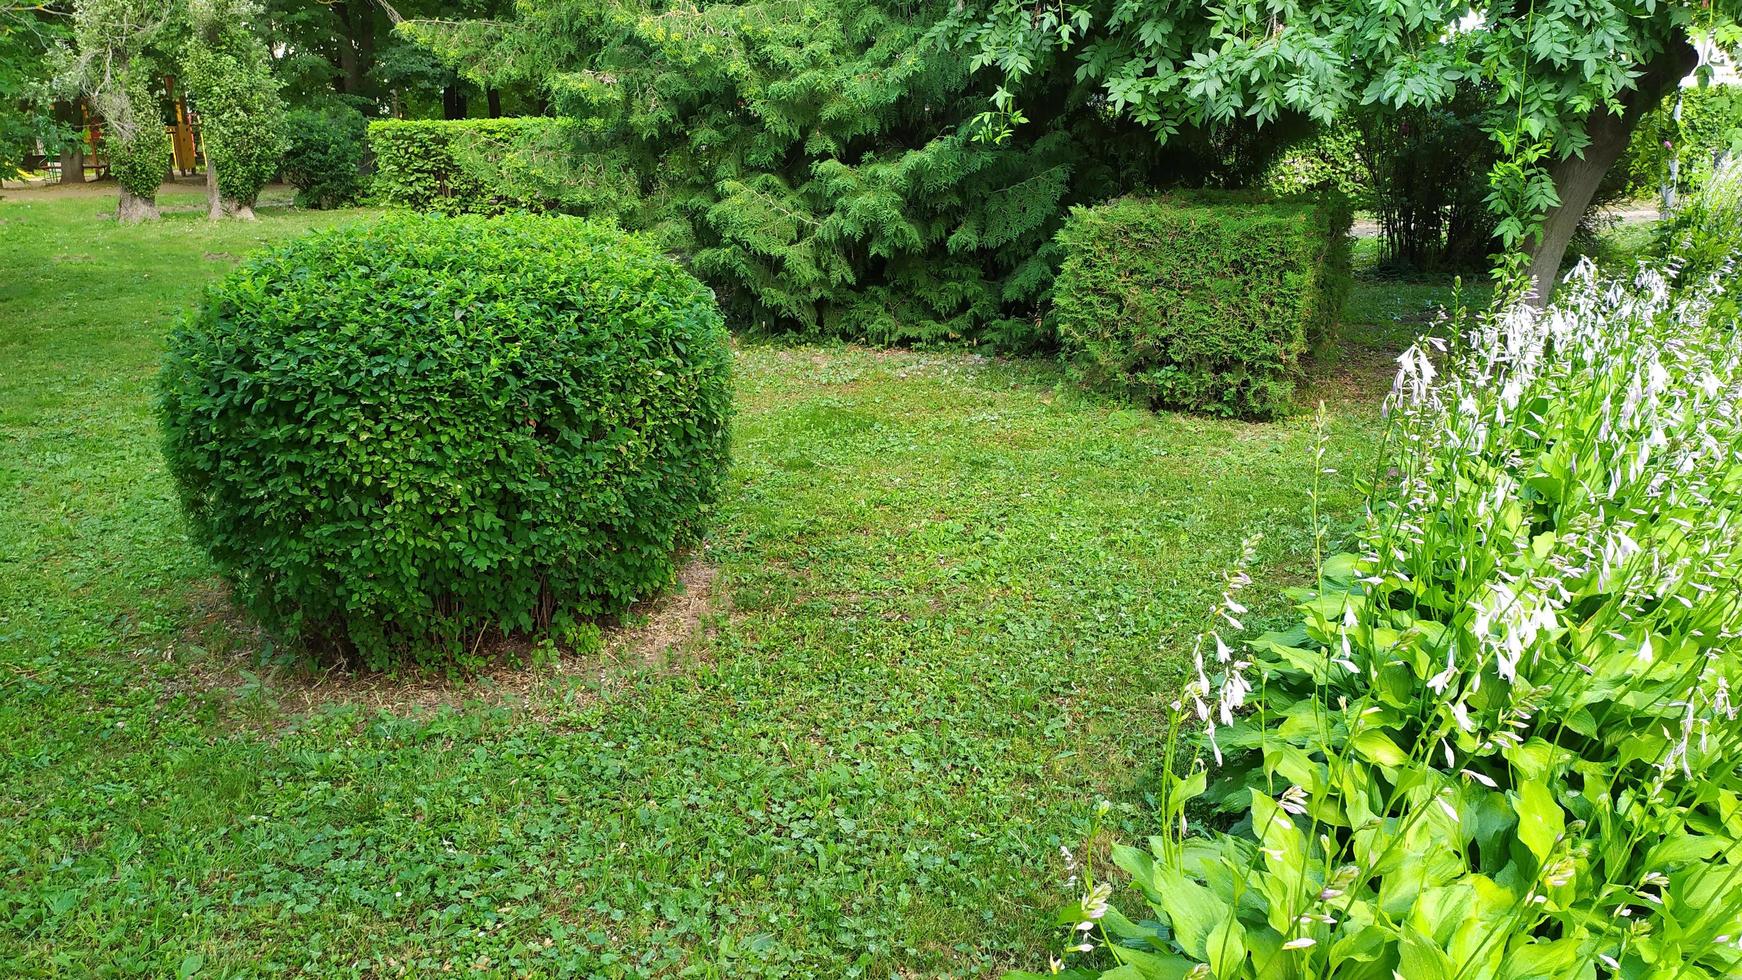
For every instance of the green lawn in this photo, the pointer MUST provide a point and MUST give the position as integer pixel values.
(951, 595)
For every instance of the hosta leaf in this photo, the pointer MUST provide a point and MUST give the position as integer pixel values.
(1683, 848)
(1226, 947)
(1191, 910)
(1419, 958)
(1377, 747)
(1541, 822)
(1115, 922)
(1540, 960)
(1144, 965)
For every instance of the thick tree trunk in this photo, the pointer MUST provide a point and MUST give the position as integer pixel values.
(453, 102)
(356, 45)
(214, 204)
(494, 99)
(1576, 178)
(365, 20)
(348, 71)
(72, 153)
(72, 163)
(131, 208)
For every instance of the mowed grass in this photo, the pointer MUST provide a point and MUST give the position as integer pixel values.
(952, 599)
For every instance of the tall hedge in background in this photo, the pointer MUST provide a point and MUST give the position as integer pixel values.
(488, 166)
(395, 439)
(1201, 302)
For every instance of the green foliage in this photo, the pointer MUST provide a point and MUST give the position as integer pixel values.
(938, 575)
(1710, 128)
(414, 168)
(1499, 740)
(323, 156)
(1544, 70)
(30, 34)
(488, 166)
(139, 160)
(393, 437)
(1330, 161)
(816, 163)
(1705, 234)
(1430, 170)
(347, 52)
(1201, 302)
(1705, 237)
(228, 72)
(140, 164)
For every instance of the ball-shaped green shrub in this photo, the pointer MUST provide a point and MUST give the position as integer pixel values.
(396, 439)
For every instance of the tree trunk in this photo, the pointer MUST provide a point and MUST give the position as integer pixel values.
(1577, 177)
(356, 44)
(365, 14)
(131, 208)
(72, 152)
(348, 71)
(494, 99)
(72, 162)
(453, 102)
(214, 205)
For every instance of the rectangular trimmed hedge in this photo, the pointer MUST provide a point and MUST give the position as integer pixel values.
(486, 166)
(1204, 301)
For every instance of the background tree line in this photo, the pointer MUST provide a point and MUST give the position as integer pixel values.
(897, 171)
(320, 55)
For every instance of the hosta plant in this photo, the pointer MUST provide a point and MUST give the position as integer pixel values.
(1705, 236)
(1499, 742)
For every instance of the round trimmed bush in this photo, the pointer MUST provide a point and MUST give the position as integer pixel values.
(394, 438)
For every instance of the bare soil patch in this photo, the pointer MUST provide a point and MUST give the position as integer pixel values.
(222, 648)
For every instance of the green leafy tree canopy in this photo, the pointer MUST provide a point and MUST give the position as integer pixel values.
(112, 65)
(241, 114)
(1568, 78)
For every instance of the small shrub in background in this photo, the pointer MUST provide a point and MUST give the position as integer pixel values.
(1202, 302)
(323, 156)
(395, 438)
(1501, 740)
(1429, 172)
